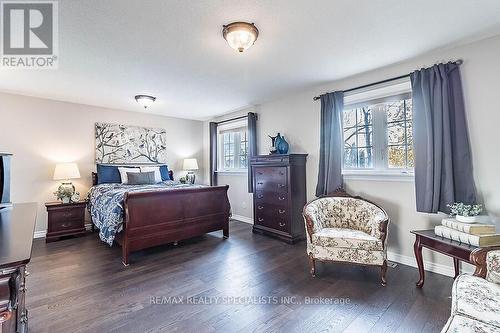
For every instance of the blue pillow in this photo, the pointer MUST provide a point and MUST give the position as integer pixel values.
(108, 174)
(164, 173)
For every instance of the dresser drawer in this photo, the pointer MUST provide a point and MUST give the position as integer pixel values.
(64, 225)
(275, 198)
(67, 214)
(272, 221)
(267, 206)
(271, 178)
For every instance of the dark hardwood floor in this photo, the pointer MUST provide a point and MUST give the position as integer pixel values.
(80, 285)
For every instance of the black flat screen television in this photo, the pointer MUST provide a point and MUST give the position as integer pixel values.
(5, 180)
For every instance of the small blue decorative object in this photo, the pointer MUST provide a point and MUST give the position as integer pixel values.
(282, 145)
(277, 142)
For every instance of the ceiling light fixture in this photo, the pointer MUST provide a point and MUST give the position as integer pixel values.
(240, 35)
(145, 100)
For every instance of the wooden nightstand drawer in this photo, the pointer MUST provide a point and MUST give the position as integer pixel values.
(67, 214)
(66, 225)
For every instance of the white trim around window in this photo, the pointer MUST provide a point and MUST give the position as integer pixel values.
(237, 136)
(379, 175)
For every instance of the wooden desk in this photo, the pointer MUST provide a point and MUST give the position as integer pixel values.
(458, 251)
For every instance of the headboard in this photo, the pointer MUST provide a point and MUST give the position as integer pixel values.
(95, 180)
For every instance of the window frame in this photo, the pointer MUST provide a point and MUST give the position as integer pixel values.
(380, 169)
(237, 128)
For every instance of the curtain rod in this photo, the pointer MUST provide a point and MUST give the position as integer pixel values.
(458, 62)
(232, 119)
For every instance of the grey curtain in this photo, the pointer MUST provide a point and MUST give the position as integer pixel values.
(331, 145)
(443, 163)
(252, 145)
(213, 153)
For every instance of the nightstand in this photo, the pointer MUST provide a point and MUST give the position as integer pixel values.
(65, 219)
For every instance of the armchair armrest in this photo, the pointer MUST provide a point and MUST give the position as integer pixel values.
(312, 224)
(486, 259)
(382, 227)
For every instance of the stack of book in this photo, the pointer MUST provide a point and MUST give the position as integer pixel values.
(472, 234)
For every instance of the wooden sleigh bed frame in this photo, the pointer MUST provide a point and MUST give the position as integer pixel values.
(155, 218)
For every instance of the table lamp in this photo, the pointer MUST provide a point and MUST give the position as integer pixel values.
(189, 165)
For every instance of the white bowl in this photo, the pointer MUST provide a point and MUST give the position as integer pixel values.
(468, 219)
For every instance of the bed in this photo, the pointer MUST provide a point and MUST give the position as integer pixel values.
(143, 216)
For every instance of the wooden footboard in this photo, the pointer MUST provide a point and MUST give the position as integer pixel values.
(160, 217)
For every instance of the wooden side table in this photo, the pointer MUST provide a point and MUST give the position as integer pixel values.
(458, 251)
(65, 219)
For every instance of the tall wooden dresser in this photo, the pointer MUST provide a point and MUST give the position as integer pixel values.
(17, 224)
(279, 195)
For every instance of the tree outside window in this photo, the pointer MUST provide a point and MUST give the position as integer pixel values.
(378, 135)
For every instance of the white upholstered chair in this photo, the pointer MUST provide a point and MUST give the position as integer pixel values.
(475, 303)
(343, 228)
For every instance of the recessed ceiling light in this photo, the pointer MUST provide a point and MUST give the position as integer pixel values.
(145, 100)
(240, 35)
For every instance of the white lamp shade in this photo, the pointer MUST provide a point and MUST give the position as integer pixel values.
(190, 164)
(66, 171)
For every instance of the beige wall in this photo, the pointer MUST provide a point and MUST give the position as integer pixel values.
(297, 117)
(41, 132)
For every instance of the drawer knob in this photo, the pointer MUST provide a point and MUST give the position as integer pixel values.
(281, 211)
(281, 185)
(281, 198)
(260, 173)
(260, 219)
(282, 224)
(260, 196)
(260, 207)
(260, 183)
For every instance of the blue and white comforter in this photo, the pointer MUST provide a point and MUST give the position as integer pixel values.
(106, 204)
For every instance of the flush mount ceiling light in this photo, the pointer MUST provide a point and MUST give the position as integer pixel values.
(145, 100)
(240, 35)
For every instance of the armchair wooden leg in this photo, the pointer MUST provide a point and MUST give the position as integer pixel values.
(383, 271)
(312, 263)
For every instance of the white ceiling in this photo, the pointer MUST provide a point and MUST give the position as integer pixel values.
(111, 50)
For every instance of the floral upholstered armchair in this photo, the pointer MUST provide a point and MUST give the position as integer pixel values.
(475, 304)
(343, 228)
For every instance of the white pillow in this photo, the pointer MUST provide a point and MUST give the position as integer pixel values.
(123, 173)
(156, 170)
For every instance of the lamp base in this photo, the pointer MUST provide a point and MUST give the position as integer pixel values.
(68, 185)
(64, 187)
(190, 177)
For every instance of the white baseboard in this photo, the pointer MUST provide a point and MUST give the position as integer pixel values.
(42, 233)
(242, 218)
(428, 266)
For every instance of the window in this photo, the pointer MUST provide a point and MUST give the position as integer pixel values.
(377, 130)
(233, 147)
